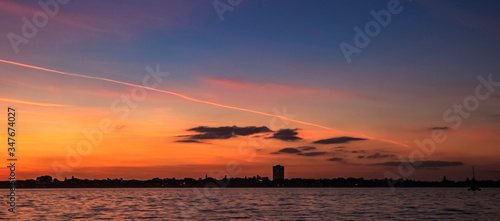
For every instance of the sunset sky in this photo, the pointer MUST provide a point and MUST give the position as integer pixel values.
(267, 85)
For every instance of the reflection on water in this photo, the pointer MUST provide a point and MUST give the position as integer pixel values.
(255, 204)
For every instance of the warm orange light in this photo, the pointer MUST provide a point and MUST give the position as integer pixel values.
(30, 102)
(186, 98)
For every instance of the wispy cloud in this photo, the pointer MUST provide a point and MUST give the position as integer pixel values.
(286, 135)
(99, 20)
(424, 163)
(440, 128)
(305, 148)
(188, 141)
(335, 159)
(358, 151)
(301, 151)
(226, 132)
(313, 154)
(380, 156)
(8, 100)
(288, 150)
(338, 140)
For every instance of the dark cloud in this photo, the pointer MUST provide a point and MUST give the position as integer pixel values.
(312, 154)
(361, 157)
(429, 163)
(189, 141)
(306, 148)
(299, 151)
(438, 163)
(288, 150)
(358, 151)
(335, 159)
(337, 140)
(225, 132)
(391, 163)
(440, 128)
(379, 156)
(286, 135)
(340, 149)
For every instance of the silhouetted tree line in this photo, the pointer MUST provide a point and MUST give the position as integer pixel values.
(256, 181)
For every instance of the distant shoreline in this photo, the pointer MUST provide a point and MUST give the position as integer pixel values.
(250, 182)
(374, 187)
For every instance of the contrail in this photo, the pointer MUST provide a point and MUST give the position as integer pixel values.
(30, 102)
(166, 92)
(181, 96)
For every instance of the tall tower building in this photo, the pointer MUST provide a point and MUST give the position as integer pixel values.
(278, 172)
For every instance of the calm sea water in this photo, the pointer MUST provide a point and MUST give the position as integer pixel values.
(255, 204)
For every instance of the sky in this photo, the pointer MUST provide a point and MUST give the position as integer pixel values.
(137, 90)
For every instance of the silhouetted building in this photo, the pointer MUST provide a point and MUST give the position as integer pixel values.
(256, 181)
(278, 172)
(44, 181)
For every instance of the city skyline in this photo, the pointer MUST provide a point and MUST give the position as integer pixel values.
(173, 89)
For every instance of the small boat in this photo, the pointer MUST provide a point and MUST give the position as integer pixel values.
(474, 186)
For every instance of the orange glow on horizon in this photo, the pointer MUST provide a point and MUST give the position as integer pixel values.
(191, 99)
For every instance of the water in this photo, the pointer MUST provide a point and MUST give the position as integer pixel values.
(255, 204)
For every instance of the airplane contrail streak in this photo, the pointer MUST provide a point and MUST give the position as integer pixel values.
(30, 102)
(178, 95)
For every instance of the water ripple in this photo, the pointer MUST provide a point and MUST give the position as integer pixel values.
(255, 204)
